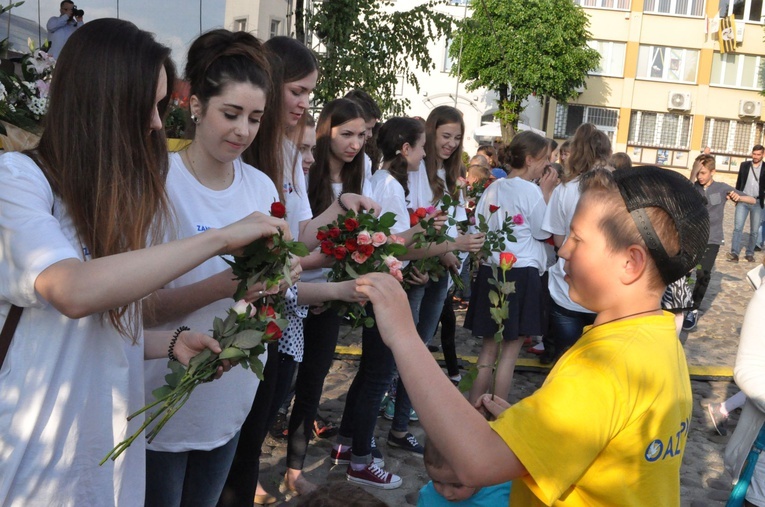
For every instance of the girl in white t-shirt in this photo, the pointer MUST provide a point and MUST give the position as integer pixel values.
(76, 219)
(587, 149)
(294, 71)
(515, 195)
(210, 186)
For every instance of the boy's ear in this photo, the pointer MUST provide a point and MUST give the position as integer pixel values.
(635, 264)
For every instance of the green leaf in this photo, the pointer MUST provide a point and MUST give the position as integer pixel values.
(161, 392)
(466, 383)
(369, 322)
(257, 367)
(396, 250)
(199, 360)
(387, 220)
(232, 353)
(247, 339)
(298, 248)
(493, 298)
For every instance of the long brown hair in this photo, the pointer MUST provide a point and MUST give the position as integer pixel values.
(97, 149)
(589, 148)
(320, 192)
(442, 115)
(290, 60)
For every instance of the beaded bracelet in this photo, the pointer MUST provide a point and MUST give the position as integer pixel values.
(177, 333)
(340, 202)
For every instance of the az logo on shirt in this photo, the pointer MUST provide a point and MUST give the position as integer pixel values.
(658, 449)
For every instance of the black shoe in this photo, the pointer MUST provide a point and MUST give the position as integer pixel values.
(732, 257)
(750, 258)
(280, 430)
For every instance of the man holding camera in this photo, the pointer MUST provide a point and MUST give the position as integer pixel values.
(62, 26)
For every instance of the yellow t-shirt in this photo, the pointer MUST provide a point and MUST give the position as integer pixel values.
(610, 423)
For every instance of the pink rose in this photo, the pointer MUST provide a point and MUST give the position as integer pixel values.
(430, 210)
(396, 273)
(396, 239)
(518, 219)
(393, 263)
(378, 238)
(471, 220)
(359, 257)
(241, 308)
(364, 238)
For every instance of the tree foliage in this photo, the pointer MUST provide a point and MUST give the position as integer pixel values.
(524, 47)
(370, 48)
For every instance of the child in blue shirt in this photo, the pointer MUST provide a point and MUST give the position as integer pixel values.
(445, 490)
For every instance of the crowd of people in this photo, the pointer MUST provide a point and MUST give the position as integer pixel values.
(110, 257)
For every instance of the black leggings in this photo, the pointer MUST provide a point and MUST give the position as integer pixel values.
(704, 274)
(320, 332)
(448, 332)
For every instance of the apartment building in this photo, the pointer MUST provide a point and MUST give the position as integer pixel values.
(664, 90)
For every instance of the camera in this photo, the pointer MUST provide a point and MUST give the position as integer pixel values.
(77, 13)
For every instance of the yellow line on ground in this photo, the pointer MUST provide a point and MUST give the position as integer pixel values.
(697, 372)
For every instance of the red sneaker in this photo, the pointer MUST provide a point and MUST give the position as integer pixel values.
(340, 458)
(373, 476)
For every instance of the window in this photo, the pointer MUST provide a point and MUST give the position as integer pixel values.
(605, 4)
(240, 24)
(275, 28)
(448, 60)
(568, 117)
(737, 71)
(678, 7)
(667, 64)
(733, 137)
(611, 57)
(748, 10)
(659, 129)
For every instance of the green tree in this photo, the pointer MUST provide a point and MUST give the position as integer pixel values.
(524, 47)
(372, 48)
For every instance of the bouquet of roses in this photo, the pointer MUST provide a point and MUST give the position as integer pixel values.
(241, 333)
(425, 218)
(360, 244)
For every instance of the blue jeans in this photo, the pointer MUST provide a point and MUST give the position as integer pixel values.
(742, 210)
(566, 326)
(430, 303)
(365, 394)
(192, 478)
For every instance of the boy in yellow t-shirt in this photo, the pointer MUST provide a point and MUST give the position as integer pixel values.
(610, 424)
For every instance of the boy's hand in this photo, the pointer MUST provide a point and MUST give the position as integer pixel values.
(491, 406)
(733, 196)
(391, 306)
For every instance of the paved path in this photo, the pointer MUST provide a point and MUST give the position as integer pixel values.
(712, 344)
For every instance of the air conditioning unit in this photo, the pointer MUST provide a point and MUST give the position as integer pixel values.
(749, 108)
(679, 101)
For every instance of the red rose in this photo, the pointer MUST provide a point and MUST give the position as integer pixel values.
(334, 232)
(273, 332)
(421, 212)
(506, 260)
(268, 312)
(366, 249)
(413, 219)
(351, 244)
(327, 247)
(278, 210)
(340, 253)
(321, 235)
(471, 204)
(493, 208)
(351, 224)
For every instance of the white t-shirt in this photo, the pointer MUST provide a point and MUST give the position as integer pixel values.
(390, 194)
(295, 189)
(67, 385)
(367, 168)
(557, 220)
(216, 410)
(517, 196)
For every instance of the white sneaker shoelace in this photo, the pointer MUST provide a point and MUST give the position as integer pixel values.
(378, 472)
